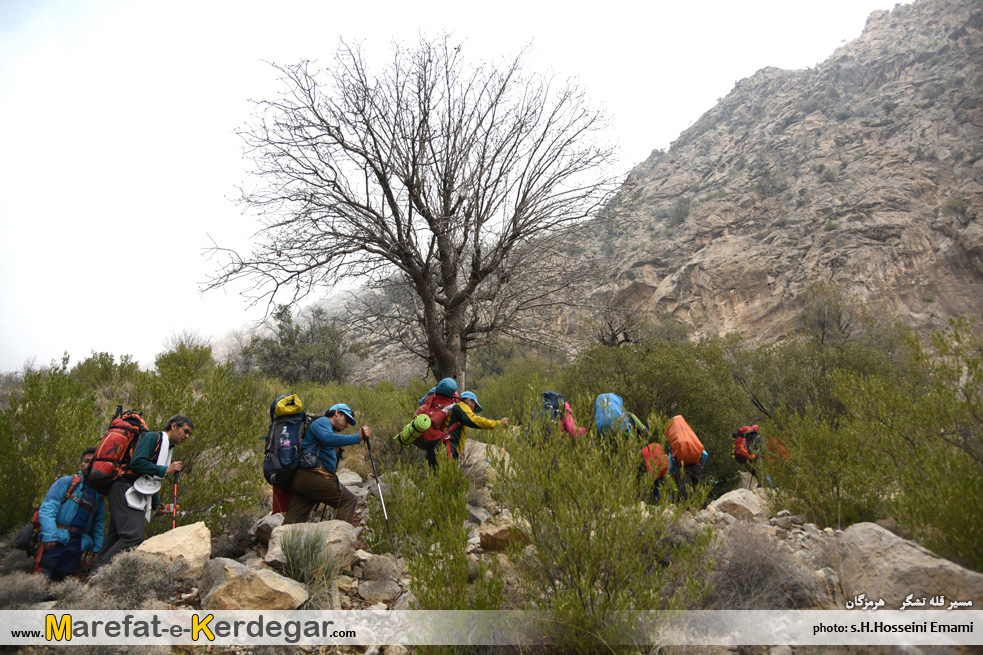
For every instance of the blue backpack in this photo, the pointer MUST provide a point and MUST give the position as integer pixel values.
(609, 414)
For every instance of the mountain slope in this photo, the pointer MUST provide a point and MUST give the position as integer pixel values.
(866, 171)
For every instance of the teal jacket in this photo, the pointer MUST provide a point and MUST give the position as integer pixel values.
(84, 511)
(144, 460)
(321, 438)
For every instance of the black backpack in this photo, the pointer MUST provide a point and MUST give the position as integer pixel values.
(549, 412)
(283, 441)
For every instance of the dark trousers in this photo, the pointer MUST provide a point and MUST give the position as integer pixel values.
(62, 560)
(691, 475)
(126, 525)
(432, 448)
(313, 486)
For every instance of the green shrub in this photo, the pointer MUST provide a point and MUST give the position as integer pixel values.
(43, 432)
(595, 548)
(832, 473)
(428, 516)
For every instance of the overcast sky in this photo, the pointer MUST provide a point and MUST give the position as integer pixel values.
(118, 158)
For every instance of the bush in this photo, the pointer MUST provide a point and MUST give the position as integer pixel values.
(43, 432)
(756, 572)
(428, 516)
(595, 547)
(235, 540)
(134, 580)
(832, 473)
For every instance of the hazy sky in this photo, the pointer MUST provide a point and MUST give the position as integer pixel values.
(118, 158)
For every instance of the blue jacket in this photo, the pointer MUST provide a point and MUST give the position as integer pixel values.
(321, 433)
(73, 513)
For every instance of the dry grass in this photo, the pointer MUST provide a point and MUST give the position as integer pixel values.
(756, 572)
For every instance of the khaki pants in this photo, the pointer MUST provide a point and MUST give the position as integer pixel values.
(313, 486)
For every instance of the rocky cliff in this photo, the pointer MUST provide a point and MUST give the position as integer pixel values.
(865, 171)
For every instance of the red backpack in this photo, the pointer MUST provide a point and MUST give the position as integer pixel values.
(115, 449)
(436, 407)
(656, 461)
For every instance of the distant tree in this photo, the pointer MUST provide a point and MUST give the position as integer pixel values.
(102, 372)
(451, 181)
(310, 350)
(187, 356)
(829, 314)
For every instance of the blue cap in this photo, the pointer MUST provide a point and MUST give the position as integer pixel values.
(470, 396)
(344, 409)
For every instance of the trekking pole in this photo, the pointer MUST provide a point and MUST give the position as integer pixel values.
(368, 444)
(174, 501)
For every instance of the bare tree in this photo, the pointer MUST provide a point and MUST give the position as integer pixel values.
(449, 180)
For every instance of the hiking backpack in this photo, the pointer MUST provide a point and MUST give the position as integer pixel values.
(436, 406)
(686, 446)
(112, 458)
(281, 455)
(27, 537)
(549, 412)
(656, 462)
(553, 404)
(745, 448)
(609, 414)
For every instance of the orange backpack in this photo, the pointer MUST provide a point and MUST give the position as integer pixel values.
(686, 446)
(115, 449)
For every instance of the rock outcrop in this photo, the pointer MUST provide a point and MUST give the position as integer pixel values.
(192, 543)
(229, 585)
(882, 565)
(865, 171)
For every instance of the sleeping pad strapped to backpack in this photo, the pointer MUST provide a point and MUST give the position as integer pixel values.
(436, 406)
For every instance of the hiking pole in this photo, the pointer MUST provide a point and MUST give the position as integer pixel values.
(368, 444)
(174, 502)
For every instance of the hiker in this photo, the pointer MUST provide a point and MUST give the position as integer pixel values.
(748, 445)
(462, 416)
(687, 453)
(655, 464)
(555, 407)
(72, 520)
(613, 421)
(746, 448)
(132, 496)
(316, 480)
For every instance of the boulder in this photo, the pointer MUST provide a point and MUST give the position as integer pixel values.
(741, 504)
(349, 478)
(340, 537)
(378, 591)
(883, 566)
(498, 533)
(264, 527)
(377, 567)
(192, 543)
(229, 585)
(478, 515)
(482, 456)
